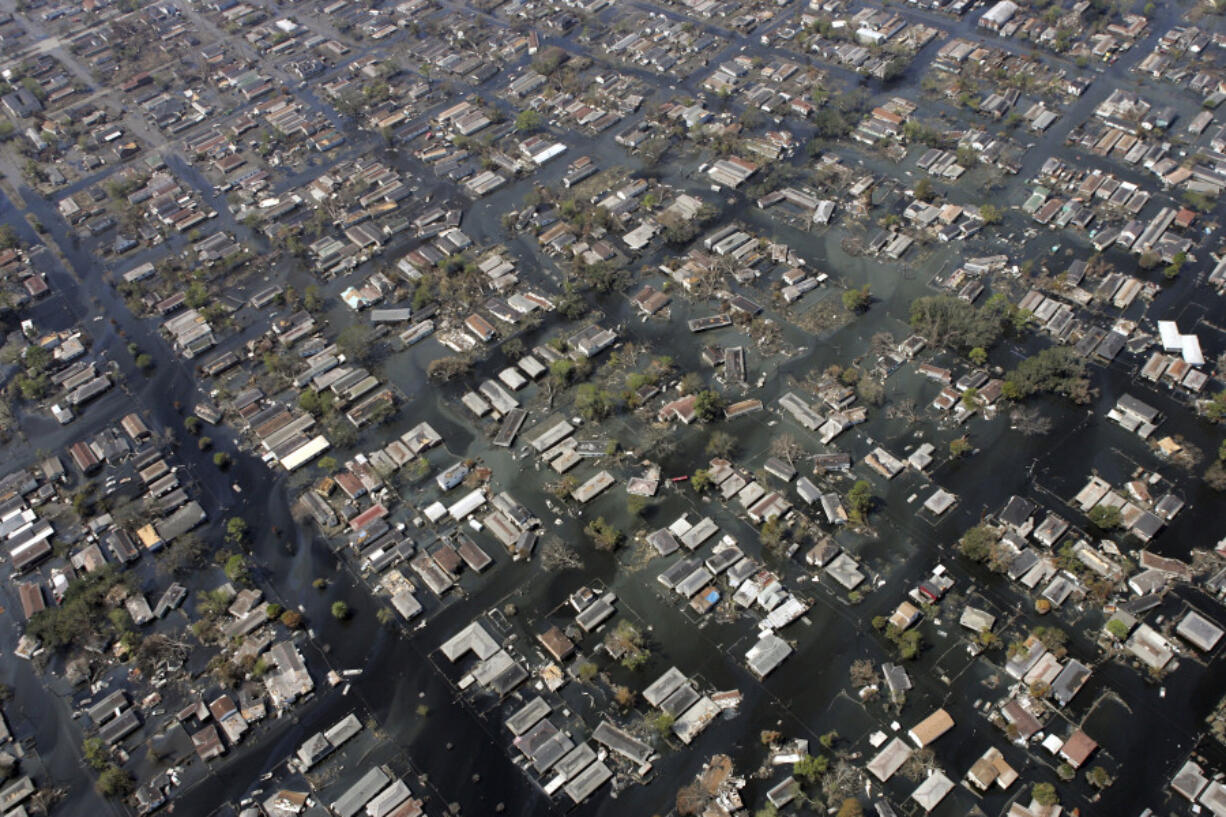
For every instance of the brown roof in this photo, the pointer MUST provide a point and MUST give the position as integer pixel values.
(556, 643)
(682, 409)
(887, 116)
(350, 484)
(208, 743)
(1017, 715)
(931, 728)
(1173, 567)
(480, 326)
(31, 594)
(1078, 748)
(222, 707)
(447, 558)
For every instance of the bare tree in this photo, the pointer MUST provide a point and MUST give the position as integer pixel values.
(881, 343)
(1188, 456)
(842, 781)
(904, 409)
(691, 800)
(863, 674)
(919, 766)
(557, 555)
(44, 799)
(1029, 421)
(786, 447)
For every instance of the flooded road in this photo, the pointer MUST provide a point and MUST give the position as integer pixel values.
(459, 751)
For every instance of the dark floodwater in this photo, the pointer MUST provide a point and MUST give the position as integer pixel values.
(1145, 738)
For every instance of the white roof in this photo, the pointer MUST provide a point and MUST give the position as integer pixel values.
(1169, 333)
(305, 453)
(1187, 345)
(932, 791)
(467, 505)
(1191, 350)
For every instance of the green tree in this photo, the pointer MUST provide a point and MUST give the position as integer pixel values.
(236, 531)
(81, 613)
(1215, 408)
(1056, 369)
(909, 644)
(661, 724)
(312, 300)
(635, 659)
(33, 387)
(1176, 266)
(1045, 794)
(708, 406)
(36, 359)
(946, 320)
(340, 610)
(959, 448)
(1198, 201)
(978, 355)
(771, 533)
(236, 568)
(355, 342)
(196, 295)
(1118, 629)
(860, 501)
(310, 401)
(1053, 638)
(528, 121)
(923, 189)
(562, 371)
(96, 753)
(114, 782)
(978, 544)
(1106, 517)
(857, 300)
(990, 213)
(811, 768)
(513, 348)
(593, 403)
(604, 535)
(700, 480)
(829, 124)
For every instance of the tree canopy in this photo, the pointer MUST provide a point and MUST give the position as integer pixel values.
(946, 320)
(1056, 369)
(1106, 517)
